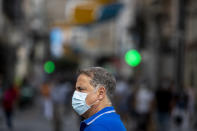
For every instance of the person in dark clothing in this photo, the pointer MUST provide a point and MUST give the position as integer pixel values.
(8, 101)
(164, 103)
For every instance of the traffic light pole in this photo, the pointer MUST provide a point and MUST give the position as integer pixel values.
(180, 44)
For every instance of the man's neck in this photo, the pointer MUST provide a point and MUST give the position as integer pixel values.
(94, 109)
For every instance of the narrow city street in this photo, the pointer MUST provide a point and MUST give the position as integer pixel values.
(62, 61)
(34, 120)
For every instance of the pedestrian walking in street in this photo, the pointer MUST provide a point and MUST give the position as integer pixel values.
(47, 102)
(9, 98)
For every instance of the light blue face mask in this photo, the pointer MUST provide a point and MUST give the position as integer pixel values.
(79, 102)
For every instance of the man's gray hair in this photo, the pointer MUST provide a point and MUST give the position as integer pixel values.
(100, 76)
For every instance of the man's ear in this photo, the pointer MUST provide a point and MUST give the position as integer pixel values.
(101, 92)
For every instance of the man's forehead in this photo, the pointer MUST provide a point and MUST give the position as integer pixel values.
(83, 79)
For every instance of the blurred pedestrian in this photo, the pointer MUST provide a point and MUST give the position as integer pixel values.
(122, 94)
(143, 107)
(9, 98)
(1, 95)
(58, 95)
(191, 102)
(47, 102)
(182, 110)
(92, 100)
(164, 98)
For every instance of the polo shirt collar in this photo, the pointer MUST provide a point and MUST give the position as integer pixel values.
(105, 110)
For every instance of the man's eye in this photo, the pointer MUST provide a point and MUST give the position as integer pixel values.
(80, 89)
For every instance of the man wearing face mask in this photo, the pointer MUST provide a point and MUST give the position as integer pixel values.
(92, 100)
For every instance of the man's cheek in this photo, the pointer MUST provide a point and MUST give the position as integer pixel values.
(90, 99)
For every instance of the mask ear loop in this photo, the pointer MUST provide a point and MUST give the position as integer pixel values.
(97, 87)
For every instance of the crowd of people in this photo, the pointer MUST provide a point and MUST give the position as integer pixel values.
(141, 107)
(162, 109)
(56, 99)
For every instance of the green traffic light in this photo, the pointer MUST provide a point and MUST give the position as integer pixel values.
(133, 58)
(49, 67)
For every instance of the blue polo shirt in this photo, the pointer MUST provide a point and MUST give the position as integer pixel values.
(104, 120)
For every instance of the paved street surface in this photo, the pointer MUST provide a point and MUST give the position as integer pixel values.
(33, 120)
